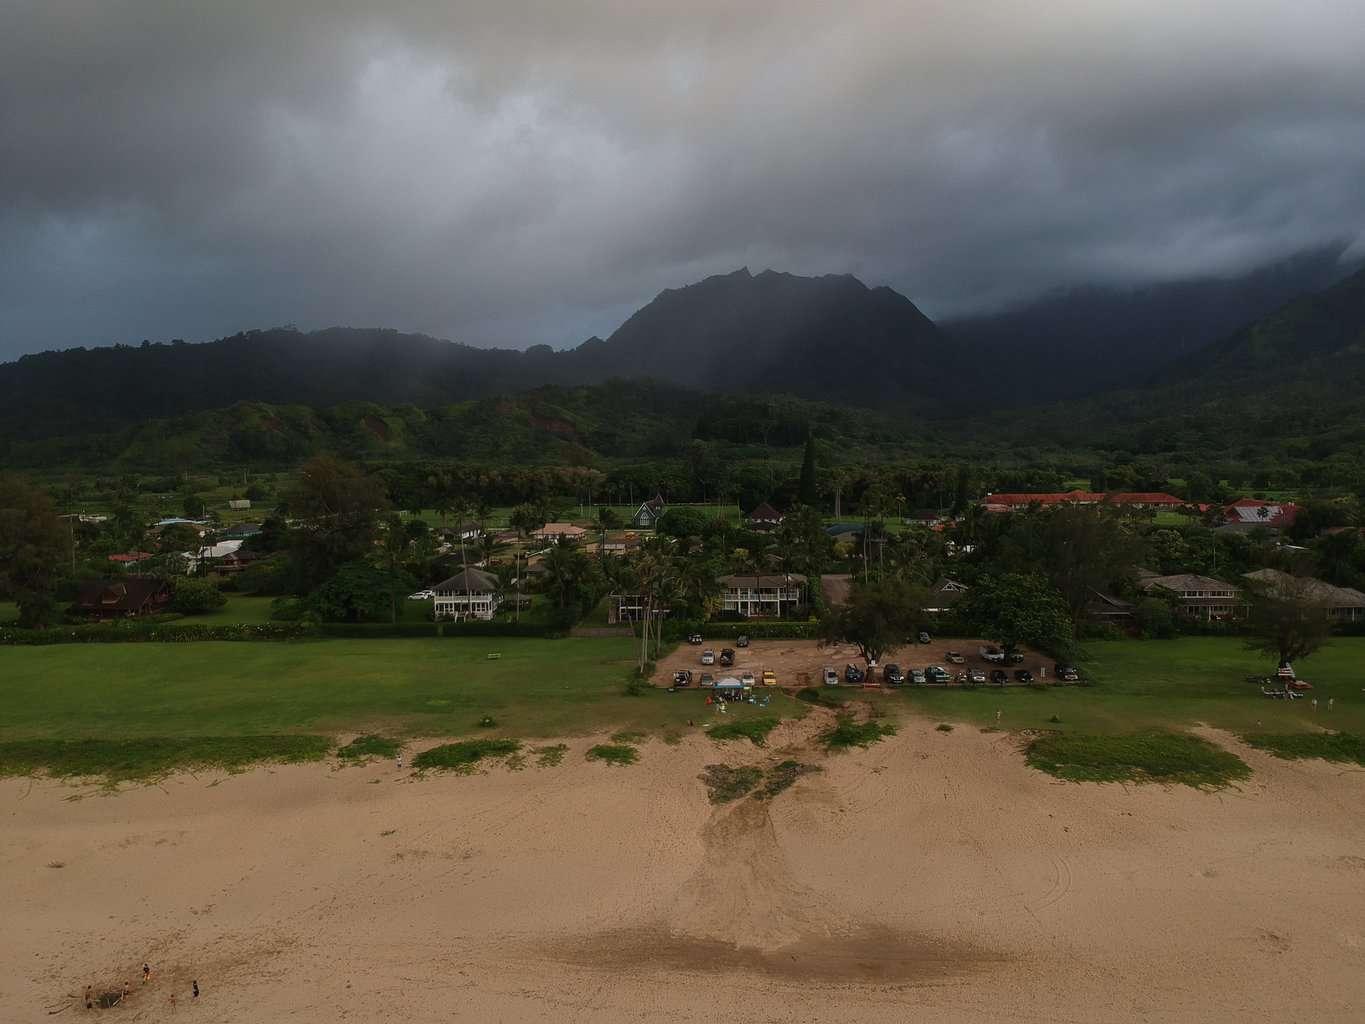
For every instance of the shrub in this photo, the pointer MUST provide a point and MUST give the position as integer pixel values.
(197, 596)
(755, 730)
(369, 746)
(613, 753)
(848, 733)
(465, 754)
(1152, 756)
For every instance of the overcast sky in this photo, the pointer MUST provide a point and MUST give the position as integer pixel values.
(509, 172)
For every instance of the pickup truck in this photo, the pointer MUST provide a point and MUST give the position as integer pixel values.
(992, 654)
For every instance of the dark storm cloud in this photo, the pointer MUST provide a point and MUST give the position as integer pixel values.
(510, 172)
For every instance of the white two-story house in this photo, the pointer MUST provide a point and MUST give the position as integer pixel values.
(469, 594)
(762, 594)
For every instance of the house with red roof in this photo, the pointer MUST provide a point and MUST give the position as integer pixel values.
(1125, 499)
(1248, 514)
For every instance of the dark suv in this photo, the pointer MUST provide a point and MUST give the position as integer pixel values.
(853, 674)
(999, 677)
(892, 675)
(727, 656)
(1067, 673)
(1023, 675)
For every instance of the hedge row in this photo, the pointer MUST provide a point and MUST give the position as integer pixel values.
(155, 632)
(375, 630)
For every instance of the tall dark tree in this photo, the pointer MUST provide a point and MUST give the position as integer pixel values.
(337, 506)
(1018, 609)
(33, 544)
(808, 491)
(877, 618)
(1286, 618)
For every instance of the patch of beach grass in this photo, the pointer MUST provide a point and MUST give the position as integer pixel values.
(627, 736)
(1151, 756)
(465, 754)
(782, 776)
(755, 730)
(1339, 747)
(613, 753)
(725, 783)
(811, 695)
(140, 759)
(848, 733)
(368, 746)
(551, 756)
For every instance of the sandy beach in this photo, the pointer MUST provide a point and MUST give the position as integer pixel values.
(930, 877)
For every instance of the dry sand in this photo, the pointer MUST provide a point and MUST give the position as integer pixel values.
(932, 877)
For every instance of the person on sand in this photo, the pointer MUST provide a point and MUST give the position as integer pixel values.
(194, 988)
(146, 973)
(89, 999)
(400, 762)
(126, 990)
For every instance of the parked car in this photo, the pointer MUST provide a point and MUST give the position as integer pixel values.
(746, 678)
(918, 677)
(769, 677)
(853, 674)
(694, 638)
(992, 654)
(999, 676)
(954, 658)
(727, 656)
(936, 674)
(743, 641)
(1014, 658)
(925, 638)
(1067, 673)
(976, 676)
(1023, 675)
(830, 677)
(892, 675)
(422, 595)
(683, 677)
(707, 679)
(708, 657)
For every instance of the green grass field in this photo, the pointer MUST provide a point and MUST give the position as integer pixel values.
(393, 687)
(1168, 683)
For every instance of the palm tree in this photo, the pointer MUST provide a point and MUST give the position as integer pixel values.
(490, 547)
(395, 547)
(565, 568)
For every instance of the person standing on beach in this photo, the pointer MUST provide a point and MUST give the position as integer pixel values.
(194, 988)
(146, 973)
(89, 999)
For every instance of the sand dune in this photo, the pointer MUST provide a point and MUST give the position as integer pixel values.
(931, 877)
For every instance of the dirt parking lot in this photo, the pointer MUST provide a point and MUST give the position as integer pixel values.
(799, 662)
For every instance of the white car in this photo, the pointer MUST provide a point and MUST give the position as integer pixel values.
(708, 657)
(422, 595)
